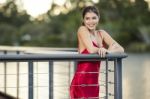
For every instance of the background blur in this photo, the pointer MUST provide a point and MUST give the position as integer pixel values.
(54, 23)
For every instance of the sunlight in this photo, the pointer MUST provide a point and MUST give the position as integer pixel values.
(35, 8)
(2, 1)
(59, 2)
(148, 1)
(38, 7)
(95, 1)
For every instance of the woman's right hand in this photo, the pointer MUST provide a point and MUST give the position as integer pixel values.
(102, 51)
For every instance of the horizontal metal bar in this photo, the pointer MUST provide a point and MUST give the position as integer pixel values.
(63, 57)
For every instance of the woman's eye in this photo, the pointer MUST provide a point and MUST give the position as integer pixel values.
(87, 18)
(94, 18)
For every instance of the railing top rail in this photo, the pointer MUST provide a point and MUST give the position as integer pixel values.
(15, 48)
(61, 56)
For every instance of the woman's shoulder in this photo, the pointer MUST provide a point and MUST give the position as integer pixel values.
(101, 31)
(82, 29)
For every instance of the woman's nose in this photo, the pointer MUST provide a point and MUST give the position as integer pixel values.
(91, 21)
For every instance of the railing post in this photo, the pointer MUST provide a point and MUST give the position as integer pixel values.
(18, 70)
(5, 74)
(30, 79)
(106, 79)
(118, 78)
(51, 89)
(17, 84)
(5, 77)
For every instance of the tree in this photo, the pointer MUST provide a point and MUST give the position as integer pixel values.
(9, 14)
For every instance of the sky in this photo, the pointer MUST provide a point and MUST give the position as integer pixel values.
(37, 7)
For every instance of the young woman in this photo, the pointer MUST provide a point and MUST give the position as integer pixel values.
(85, 82)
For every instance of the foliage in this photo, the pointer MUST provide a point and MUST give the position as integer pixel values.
(126, 21)
(9, 14)
(8, 34)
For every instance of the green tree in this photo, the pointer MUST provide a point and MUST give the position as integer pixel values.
(9, 14)
(8, 35)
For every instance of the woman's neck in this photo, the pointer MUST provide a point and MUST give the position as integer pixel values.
(92, 32)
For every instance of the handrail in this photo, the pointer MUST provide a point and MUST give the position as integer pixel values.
(75, 56)
(16, 48)
(67, 56)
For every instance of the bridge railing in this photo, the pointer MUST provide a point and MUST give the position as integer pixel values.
(63, 56)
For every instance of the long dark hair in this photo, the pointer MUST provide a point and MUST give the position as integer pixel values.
(90, 9)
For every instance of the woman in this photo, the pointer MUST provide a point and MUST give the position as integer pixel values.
(85, 82)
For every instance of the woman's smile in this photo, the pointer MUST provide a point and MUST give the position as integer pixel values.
(91, 20)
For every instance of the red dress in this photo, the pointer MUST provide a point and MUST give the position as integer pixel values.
(85, 83)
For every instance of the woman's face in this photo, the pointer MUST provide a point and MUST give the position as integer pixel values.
(91, 20)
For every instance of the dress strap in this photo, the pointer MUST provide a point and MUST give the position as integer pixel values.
(103, 42)
(99, 33)
(98, 37)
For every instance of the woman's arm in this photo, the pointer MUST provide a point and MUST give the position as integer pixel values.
(84, 37)
(113, 46)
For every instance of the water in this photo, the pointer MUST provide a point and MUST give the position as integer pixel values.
(136, 80)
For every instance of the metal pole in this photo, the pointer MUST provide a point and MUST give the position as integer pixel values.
(118, 78)
(5, 74)
(37, 80)
(106, 79)
(5, 77)
(75, 66)
(18, 80)
(51, 89)
(17, 52)
(30, 80)
(69, 72)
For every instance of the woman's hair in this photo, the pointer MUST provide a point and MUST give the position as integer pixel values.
(90, 9)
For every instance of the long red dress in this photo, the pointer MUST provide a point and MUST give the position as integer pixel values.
(85, 83)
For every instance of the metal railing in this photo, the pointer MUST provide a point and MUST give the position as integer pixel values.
(116, 58)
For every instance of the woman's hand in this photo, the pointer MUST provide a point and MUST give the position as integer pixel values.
(102, 51)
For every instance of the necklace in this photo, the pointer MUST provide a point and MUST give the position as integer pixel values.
(92, 36)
